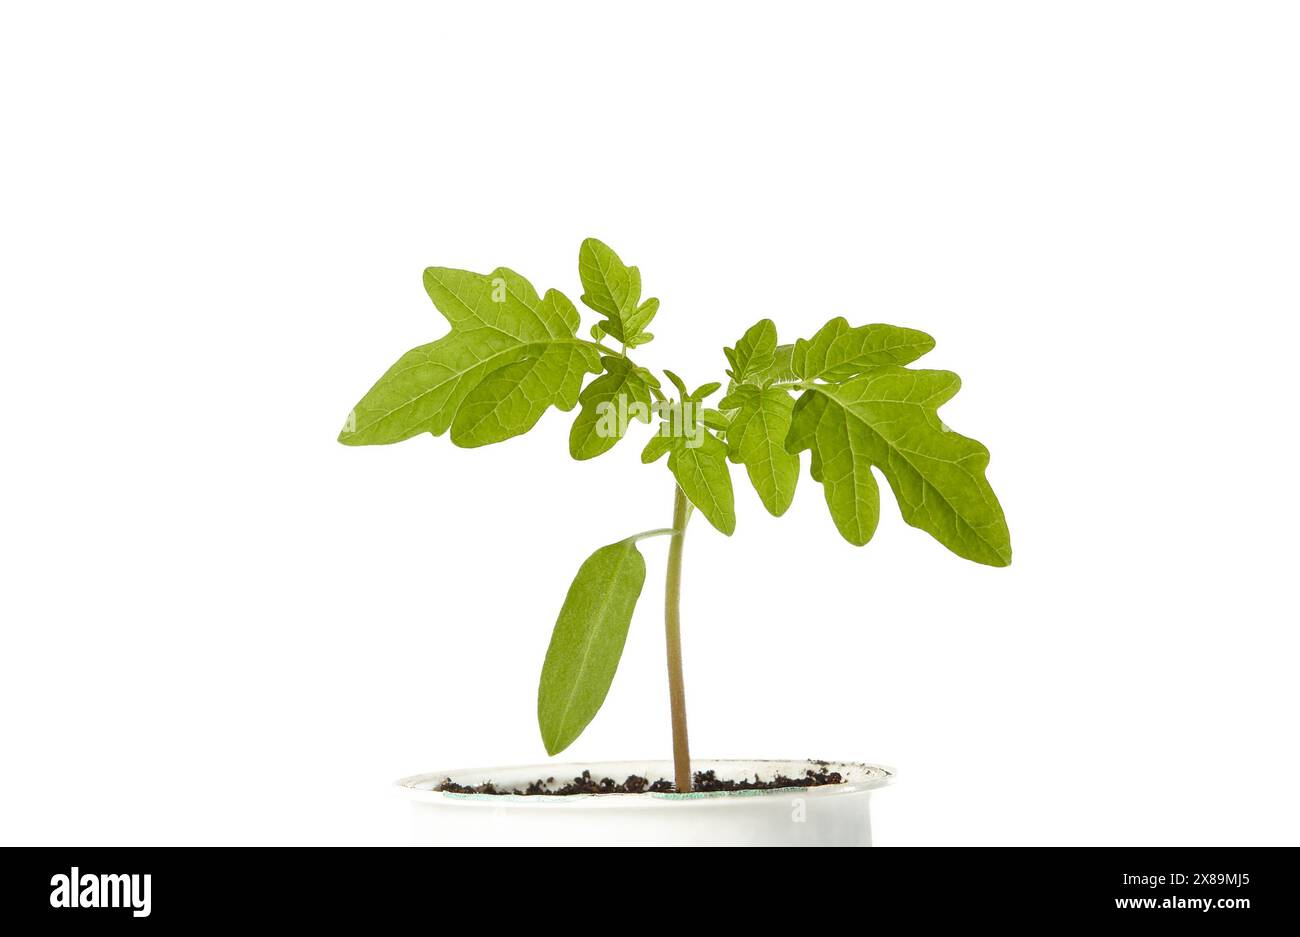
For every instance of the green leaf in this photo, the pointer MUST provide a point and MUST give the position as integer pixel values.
(754, 353)
(608, 402)
(703, 391)
(654, 450)
(888, 418)
(756, 439)
(701, 471)
(678, 383)
(613, 289)
(716, 419)
(497, 320)
(781, 368)
(838, 352)
(587, 642)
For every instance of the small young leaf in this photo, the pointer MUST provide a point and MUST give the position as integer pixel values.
(839, 353)
(755, 351)
(888, 419)
(622, 393)
(654, 450)
(678, 383)
(703, 391)
(587, 642)
(756, 438)
(614, 290)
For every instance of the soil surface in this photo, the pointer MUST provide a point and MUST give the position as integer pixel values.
(705, 782)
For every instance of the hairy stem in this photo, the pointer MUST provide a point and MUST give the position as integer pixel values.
(673, 634)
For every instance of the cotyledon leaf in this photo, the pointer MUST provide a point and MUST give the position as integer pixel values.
(587, 642)
(838, 352)
(888, 418)
(496, 319)
(756, 438)
(609, 402)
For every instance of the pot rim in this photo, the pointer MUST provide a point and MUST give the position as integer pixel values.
(862, 777)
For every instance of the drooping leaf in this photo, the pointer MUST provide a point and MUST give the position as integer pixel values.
(587, 642)
(496, 320)
(838, 352)
(888, 418)
(754, 353)
(701, 470)
(621, 394)
(756, 438)
(613, 289)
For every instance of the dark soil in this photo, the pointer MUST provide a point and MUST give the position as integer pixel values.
(705, 782)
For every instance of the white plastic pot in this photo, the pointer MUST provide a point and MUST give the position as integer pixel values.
(829, 815)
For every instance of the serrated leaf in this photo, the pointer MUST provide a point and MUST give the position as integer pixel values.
(613, 289)
(497, 319)
(621, 394)
(587, 642)
(754, 353)
(756, 439)
(888, 418)
(839, 353)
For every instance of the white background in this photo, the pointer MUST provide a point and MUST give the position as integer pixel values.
(219, 625)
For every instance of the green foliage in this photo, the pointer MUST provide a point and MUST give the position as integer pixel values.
(622, 385)
(587, 642)
(838, 353)
(500, 329)
(756, 438)
(511, 355)
(887, 418)
(755, 353)
(614, 290)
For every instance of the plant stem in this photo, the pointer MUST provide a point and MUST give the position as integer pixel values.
(647, 534)
(673, 634)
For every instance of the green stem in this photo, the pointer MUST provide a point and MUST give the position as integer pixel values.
(673, 634)
(647, 534)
